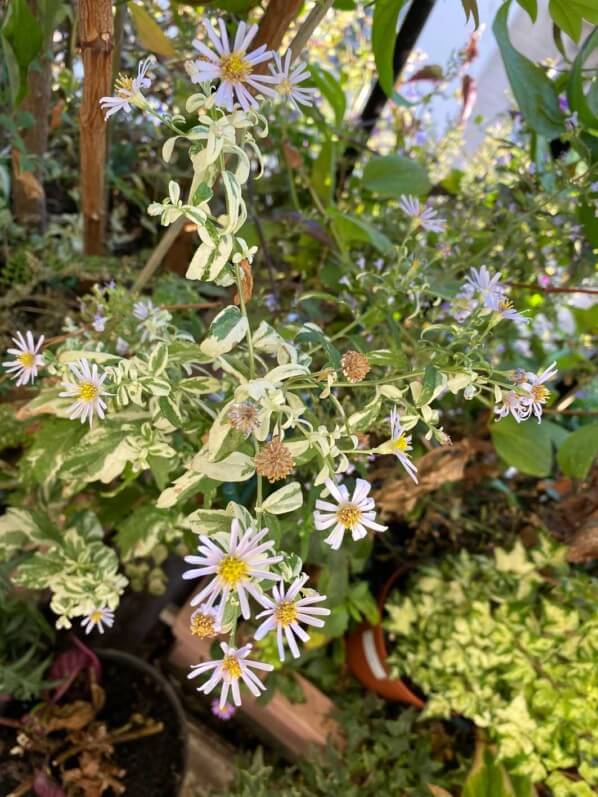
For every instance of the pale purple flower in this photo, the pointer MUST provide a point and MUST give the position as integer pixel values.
(98, 619)
(99, 322)
(538, 394)
(421, 215)
(288, 78)
(223, 713)
(354, 513)
(228, 671)
(514, 404)
(285, 611)
(87, 391)
(401, 444)
(237, 565)
(128, 91)
(233, 66)
(26, 358)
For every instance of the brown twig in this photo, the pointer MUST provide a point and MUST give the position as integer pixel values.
(527, 287)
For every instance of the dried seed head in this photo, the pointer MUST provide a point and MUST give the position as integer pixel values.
(274, 461)
(355, 366)
(244, 416)
(203, 625)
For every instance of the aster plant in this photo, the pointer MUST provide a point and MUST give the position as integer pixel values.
(256, 434)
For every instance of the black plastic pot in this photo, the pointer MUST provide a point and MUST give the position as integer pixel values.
(156, 765)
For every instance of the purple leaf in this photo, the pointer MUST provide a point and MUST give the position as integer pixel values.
(67, 666)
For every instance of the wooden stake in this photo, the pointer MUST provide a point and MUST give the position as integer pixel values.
(96, 30)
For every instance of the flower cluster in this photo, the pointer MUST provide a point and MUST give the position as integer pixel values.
(233, 65)
(485, 290)
(528, 396)
(236, 567)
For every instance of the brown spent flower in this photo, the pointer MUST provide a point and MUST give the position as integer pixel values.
(244, 416)
(274, 461)
(202, 625)
(355, 365)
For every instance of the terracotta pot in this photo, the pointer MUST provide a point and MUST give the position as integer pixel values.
(367, 656)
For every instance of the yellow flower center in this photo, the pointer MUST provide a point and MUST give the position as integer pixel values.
(234, 67)
(231, 666)
(504, 305)
(285, 87)
(26, 359)
(285, 613)
(87, 391)
(96, 616)
(124, 86)
(348, 515)
(232, 570)
(400, 443)
(202, 626)
(540, 393)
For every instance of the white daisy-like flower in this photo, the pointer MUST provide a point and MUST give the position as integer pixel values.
(228, 671)
(128, 91)
(99, 322)
(488, 287)
(144, 309)
(507, 311)
(233, 66)
(285, 611)
(87, 390)
(351, 513)
(400, 444)
(514, 404)
(153, 320)
(237, 565)
(421, 215)
(288, 78)
(26, 358)
(98, 618)
(538, 393)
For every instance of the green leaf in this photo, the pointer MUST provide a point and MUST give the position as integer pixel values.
(311, 333)
(526, 446)
(150, 33)
(531, 6)
(23, 40)
(332, 91)
(535, 93)
(566, 17)
(142, 530)
(488, 778)
(395, 176)
(350, 228)
(583, 104)
(226, 330)
(286, 499)
(471, 10)
(323, 172)
(203, 193)
(578, 452)
(431, 380)
(384, 26)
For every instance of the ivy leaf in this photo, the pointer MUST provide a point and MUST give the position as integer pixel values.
(535, 93)
(384, 26)
(578, 452)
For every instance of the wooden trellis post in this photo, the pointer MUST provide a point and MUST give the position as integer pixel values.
(96, 31)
